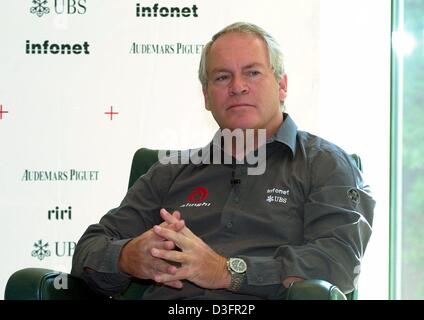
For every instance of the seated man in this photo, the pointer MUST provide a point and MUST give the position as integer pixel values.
(212, 230)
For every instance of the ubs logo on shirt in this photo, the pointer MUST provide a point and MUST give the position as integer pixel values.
(276, 195)
(196, 198)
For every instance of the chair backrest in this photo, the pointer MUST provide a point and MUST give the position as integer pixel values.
(144, 158)
(357, 160)
(142, 161)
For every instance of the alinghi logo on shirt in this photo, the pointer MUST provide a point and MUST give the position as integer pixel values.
(196, 198)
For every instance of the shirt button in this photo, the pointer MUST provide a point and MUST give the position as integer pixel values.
(260, 279)
(229, 225)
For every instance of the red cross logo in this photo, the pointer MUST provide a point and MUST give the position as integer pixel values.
(1, 112)
(111, 113)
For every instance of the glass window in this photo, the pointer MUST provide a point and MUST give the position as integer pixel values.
(407, 192)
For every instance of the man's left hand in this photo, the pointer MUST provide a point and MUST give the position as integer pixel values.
(200, 264)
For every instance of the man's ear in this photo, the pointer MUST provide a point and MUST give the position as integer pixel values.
(205, 97)
(283, 88)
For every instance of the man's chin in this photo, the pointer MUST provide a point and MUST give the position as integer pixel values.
(242, 122)
(242, 126)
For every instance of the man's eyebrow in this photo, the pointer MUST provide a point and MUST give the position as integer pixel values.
(253, 65)
(249, 66)
(219, 70)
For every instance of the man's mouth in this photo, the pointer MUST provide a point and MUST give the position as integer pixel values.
(240, 105)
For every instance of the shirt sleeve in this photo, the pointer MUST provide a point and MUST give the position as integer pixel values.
(99, 247)
(337, 220)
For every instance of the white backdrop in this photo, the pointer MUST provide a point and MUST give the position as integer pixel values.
(54, 105)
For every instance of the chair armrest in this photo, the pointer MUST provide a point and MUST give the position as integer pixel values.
(39, 284)
(46, 284)
(314, 290)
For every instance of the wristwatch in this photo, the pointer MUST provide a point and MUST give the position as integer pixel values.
(237, 268)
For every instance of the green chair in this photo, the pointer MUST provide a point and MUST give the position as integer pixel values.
(46, 284)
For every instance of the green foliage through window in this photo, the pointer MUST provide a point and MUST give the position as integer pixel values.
(412, 140)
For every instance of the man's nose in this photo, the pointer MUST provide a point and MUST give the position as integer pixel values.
(238, 86)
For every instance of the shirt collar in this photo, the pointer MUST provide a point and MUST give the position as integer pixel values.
(286, 133)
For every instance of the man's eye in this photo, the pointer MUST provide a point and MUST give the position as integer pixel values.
(221, 78)
(253, 73)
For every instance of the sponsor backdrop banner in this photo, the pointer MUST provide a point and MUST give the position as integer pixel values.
(85, 83)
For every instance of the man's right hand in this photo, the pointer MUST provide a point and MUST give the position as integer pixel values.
(136, 258)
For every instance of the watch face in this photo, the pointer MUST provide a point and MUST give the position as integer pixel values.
(238, 265)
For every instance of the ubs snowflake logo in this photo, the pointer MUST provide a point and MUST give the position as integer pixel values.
(40, 7)
(270, 199)
(41, 250)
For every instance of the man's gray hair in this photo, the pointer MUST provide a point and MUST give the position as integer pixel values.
(274, 51)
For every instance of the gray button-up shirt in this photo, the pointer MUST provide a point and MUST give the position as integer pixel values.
(308, 215)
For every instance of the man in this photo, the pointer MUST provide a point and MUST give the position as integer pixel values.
(212, 231)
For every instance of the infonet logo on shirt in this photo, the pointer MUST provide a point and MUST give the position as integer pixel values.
(196, 198)
(277, 195)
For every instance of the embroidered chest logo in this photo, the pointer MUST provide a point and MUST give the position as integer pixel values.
(276, 195)
(196, 198)
(198, 195)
